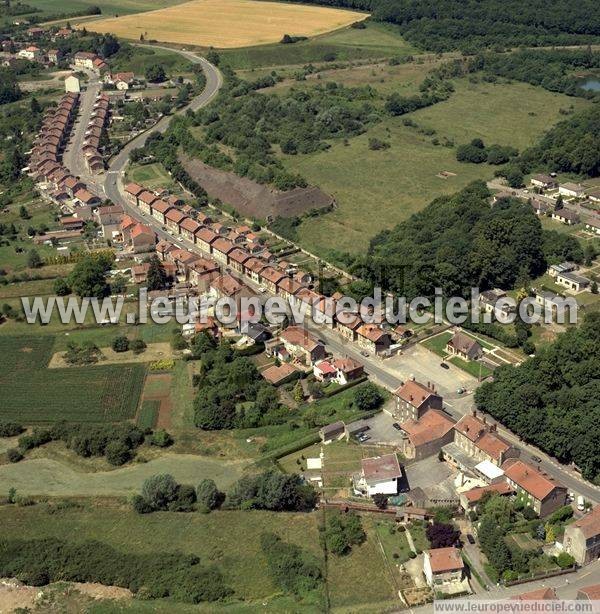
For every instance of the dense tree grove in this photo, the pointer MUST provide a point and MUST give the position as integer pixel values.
(457, 242)
(9, 86)
(88, 278)
(272, 490)
(232, 393)
(469, 25)
(151, 575)
(293, 570)
(553, 69)
(553, 400)
(572, 146)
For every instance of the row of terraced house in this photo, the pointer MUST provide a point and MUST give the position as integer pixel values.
(240, 250)
(94, 133)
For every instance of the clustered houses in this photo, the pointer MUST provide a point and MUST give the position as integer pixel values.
(89, 60)
(240, 250)
(94, 133)
(121, 80)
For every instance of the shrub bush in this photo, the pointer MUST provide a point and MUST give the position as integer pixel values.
(14, 455)
(10, 429)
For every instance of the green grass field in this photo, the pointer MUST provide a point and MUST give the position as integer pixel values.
(231, 539)
(361, 577)
(375, 41)
(148, 414)
(65, 476)
(138, 59)
(475, 368)
(150, 175)
(438, 343)
(375, 190)
(32, 393)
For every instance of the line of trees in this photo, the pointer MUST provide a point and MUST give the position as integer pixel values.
(270, 490)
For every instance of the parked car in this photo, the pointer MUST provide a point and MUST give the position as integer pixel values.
(470, 538)
(444, 365)
(365, 353)
(536, 459)
(397, 426)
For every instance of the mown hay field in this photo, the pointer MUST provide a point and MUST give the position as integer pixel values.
(31, 393)
(226, 24)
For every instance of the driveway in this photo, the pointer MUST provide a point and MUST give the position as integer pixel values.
(432, 476)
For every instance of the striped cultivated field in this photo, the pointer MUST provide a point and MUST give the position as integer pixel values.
(226, 23)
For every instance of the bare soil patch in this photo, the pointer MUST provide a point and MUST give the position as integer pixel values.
(15, 595)
(253, 199)
(158, 388)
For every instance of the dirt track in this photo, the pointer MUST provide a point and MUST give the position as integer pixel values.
(253, 199)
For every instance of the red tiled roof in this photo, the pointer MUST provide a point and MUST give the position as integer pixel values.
(133, 188)
(432, 425)
(238, 255)
(276, 374)
(175, 216)
(384, 467)
(271, 274)
(147, 197)
(289, 285)
(190, 225)
(206, 234)
(414, 392)
(141, 229)
(591, 592)
(161, 206)
(325, 367)
(299, 336)
(227, 284)
(445, 559)
(589, 524)
(501, 488)
(528, 478)
(537, 595)
(222, 245)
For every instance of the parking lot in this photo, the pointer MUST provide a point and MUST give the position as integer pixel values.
(425, 366)
(382, 431)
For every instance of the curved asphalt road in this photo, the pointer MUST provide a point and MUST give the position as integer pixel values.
(112, 180)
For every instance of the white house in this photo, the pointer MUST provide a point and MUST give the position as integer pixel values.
(573, 281)
(32, 53)
(593, 226)
(572, 190)
(72, 84)
(379, 475)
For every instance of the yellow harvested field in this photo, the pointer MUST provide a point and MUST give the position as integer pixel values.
(226, 23)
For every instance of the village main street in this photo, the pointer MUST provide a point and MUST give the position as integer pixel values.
(390, 373)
